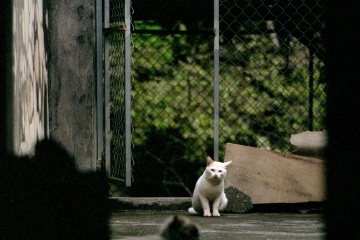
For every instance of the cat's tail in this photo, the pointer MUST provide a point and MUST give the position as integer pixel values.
(192, 211)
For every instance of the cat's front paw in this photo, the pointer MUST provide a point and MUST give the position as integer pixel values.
(216, 214)
(207, 214)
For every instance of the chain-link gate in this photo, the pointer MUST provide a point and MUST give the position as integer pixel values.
(114, 90)
(246, 72)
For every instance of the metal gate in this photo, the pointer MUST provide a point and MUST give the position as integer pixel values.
(114, 88)
(245, 72)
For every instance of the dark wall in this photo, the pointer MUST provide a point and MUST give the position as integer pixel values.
(343, 119)
(47, 49)
(7, 77)
(72, 78)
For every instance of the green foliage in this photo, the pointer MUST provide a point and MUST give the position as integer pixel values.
(265, 94)
(264, 98)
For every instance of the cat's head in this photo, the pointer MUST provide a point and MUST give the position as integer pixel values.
(216, 170)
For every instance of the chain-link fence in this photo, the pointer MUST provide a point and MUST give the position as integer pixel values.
(172, 111)
(271, 85)
(271, 61)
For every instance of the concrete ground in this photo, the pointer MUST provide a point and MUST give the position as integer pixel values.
(227, 226)
(144, 216)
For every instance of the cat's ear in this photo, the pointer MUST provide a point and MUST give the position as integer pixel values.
(209, 161)
(225, 164)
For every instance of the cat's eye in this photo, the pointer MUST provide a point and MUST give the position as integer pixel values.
(220, 170)
(213, 170)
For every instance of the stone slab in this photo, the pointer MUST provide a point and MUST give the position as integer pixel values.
(271, 177)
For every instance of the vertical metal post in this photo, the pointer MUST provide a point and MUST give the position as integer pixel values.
(99, 81)
(107, 89)
(128, 93)
(311, 89)
(216, 80)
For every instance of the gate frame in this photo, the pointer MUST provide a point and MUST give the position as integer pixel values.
(103, 87)
(216, 79)
(99, 83)
(128, 93)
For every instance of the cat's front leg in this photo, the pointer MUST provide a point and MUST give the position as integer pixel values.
(215, 207)
(205, 205)
(223, 202)
(219, 204)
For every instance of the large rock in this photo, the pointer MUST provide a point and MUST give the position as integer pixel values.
(272, 177)
(239, 202)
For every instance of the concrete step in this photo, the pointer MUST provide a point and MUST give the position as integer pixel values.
(150, 203)
(237, 204)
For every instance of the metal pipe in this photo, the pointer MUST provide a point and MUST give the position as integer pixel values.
(99, 81)
(128, 93)
(216, 80)
(311, 89)
(107, 89)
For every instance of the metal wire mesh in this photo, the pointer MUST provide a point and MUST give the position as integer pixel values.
(172, 105)
(172, 114)
(271, 81)
(116, 56)
(271, 60)
(173, 87)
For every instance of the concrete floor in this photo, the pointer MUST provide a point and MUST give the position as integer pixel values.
(227, 226)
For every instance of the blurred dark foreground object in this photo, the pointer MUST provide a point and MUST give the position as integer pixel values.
(174, 228)
(46, 197)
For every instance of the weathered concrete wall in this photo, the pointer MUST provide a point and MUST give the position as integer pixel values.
(72, 78)
(30, 77)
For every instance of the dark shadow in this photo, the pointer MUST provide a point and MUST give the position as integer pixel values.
(308, 207)
(161, 166)
(46, 197)
(342, 34)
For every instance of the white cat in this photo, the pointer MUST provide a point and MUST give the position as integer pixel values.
(209, 189)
